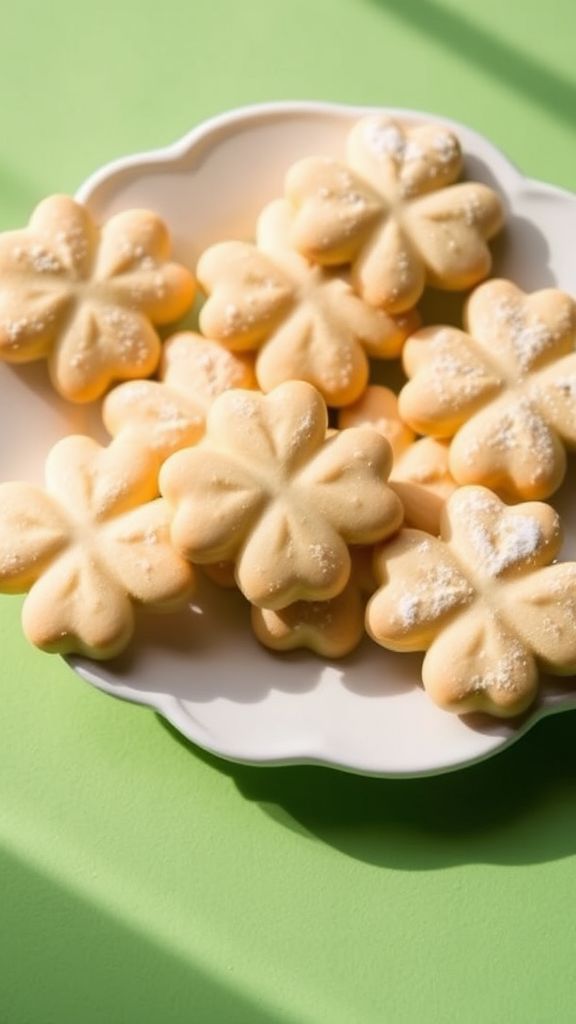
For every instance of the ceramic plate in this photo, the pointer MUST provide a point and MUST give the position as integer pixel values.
(202, 669)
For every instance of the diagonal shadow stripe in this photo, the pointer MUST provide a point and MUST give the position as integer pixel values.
(460, 35)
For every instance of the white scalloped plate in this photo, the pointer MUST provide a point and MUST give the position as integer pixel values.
(202, 669)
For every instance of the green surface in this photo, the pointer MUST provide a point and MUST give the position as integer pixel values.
(141, 881)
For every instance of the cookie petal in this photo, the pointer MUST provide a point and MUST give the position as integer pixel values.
(389, 272)
(509, 448)
(541, 608)
(553, 391)
(216, 503)
(203, 369)
(523, 332)
(292, 555)
(283, 429)
(76, 606)
(137, 552)
(450, 381)
(31, 312)
(168, 419)
(476, 664)
(33, 531)
(334, 210)
(95, 483)
(68, 232)
(450, 229)
(397, 158)
(495, 541)
(314, 346)
(248, 294)
(102, 344)
(422, 588)
(329, 628)
(346, 482)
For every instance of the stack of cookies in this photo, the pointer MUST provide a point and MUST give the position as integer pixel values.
(260, 451)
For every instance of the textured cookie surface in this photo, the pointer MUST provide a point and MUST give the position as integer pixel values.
(89, 546)
(420, 474)
(171, 412)
(329, 628)
(394, 212)
(267, 490)
(505, 390)
(86, 298)
(306, 322)
(483, 601)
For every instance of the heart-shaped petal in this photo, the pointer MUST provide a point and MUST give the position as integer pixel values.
(475, 664)
(32, 532)
(138, 553)
(292, 555)
(450, 229)
(248, 294)
(422, 588)
(450, 381)
(76, 606)
(493, 540)
(510, 448)
(398, 158)
(102, 344)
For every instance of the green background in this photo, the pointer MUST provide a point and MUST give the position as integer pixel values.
(141, 880)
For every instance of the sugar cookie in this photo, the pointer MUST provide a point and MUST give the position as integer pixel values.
(171, 412)
(306, 322)
(420, 474)
(88, 546)
(484, 602)
(394, 212)
(329, 628)
(86, 298)
(505, 390)
(266, 489)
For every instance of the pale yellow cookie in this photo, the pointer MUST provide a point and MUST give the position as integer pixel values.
(420, 474)
(483, 601)
(394, 213)
(89, 546)
(306, 322)
(267, 490)
(505, 390)
(329, 628)
(86, 298)
(171, 412)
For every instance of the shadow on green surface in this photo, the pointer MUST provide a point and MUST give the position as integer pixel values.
(461, 35)
(94, 968)
(516, 808)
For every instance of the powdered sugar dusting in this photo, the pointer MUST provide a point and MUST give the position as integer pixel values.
(452, 369)
(499, 540)
(437, 590)
(530, 336)
(505, 674)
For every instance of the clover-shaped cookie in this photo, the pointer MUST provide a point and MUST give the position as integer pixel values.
(89, 546)
(505, 390)
(171, 413)
(420, 474)
(306, 322)
(86, 298)
(266, 489)
(332, 628)
(394, 213)
(483, 602)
